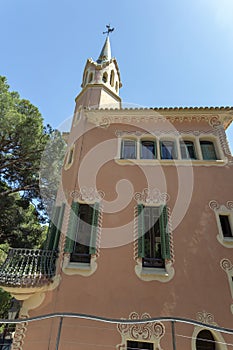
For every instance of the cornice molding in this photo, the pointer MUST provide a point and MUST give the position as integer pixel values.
(213, 116)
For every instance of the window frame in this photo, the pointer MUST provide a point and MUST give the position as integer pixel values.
(182, 143)
(210, 141)
(73, 226)
(174, 152)
(155, 154)
(163, 231)
(122, 148)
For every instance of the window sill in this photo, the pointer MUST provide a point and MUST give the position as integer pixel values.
(227, 242)
(77, 268)
(155, 274)
(181, 162)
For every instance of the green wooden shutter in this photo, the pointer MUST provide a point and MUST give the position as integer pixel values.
(141, 233)
(59, 225)
(164, 232)
(72, 227)
(53, 228)
(94, 229)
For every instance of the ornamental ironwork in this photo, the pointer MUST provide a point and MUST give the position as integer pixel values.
(28, 268)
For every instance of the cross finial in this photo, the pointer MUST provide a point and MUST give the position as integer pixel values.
(109, 29)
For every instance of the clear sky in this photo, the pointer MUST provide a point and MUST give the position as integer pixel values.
(170, 52)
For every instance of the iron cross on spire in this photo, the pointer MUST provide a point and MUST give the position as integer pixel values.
(109, 29)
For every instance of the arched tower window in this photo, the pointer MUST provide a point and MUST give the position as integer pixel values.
(205, 340)
(85, 78)
(105, 77)
(116, 86)
(90, 77)
(112, 76)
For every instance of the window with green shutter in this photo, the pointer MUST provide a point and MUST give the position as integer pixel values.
(82, 233)
(55, 225)
(153, 235)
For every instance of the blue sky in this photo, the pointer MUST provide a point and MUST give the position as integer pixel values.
(170, 52)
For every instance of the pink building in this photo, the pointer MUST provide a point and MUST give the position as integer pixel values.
(143, 224)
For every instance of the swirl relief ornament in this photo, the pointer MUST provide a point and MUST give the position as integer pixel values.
(152, 196)
(226, 265)
(148, 331)
(206, 317)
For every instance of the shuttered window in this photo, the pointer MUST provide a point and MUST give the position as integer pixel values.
(153, 235)
(82, 232)
(55, 225)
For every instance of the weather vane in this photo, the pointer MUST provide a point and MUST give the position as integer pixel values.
(109, 29)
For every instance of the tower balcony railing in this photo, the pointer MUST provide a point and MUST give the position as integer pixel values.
(27, 268)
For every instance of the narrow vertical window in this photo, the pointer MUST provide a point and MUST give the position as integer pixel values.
(225, 225)
(187, 150)
(153, 236)
(105, 77)
(128, 149)
(70, 156)
(112, 76)
(90, 77)
(82, 232)
(208, 150)
(168, 150)
(148, 149)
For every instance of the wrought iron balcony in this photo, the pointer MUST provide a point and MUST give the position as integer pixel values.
(28, 268)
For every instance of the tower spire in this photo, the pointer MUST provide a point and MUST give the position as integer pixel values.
(105, 54)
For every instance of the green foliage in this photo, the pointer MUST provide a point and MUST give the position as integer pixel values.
(23, 139)
(30, 161)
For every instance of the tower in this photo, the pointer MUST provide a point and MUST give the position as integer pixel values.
(101, 81)
(143, 227)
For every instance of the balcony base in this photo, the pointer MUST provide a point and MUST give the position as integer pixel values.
(22, 293)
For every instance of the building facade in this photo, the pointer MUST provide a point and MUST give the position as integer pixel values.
(143, 227)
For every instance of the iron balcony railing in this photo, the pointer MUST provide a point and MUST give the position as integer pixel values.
(28, 268)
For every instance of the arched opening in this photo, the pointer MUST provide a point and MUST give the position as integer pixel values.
(116, 86)
(105, 77)
(112, 76)
(85, 78)
(90, 77)
(205, 340)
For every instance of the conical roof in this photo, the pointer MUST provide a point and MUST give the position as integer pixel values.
(105, 54)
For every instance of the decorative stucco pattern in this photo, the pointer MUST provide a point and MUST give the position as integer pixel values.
(206, 317)
(20, 332)
(148, 331)
(88, 195)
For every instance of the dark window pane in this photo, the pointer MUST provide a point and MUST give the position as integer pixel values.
(152, 238)
(148, 149)
(128, 150)
(135, 345)
(168, 150)
(187, 150)
(205, 341)
(225, 224)
(208, 150)
(83, 235)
